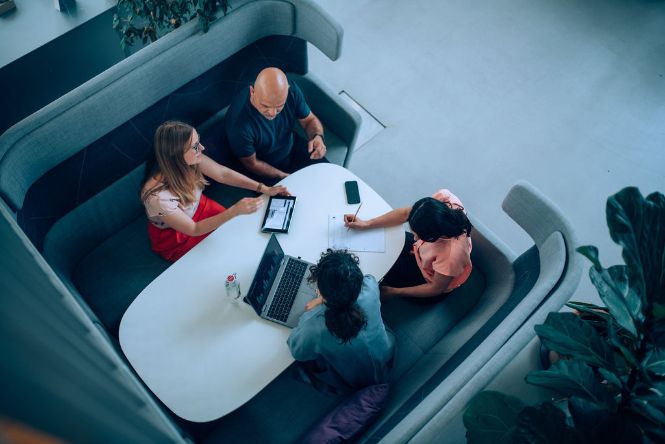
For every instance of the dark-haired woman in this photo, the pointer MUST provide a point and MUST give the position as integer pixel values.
(436, 259)
(342, 335)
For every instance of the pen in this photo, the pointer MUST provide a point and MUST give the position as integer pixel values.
(355, 215)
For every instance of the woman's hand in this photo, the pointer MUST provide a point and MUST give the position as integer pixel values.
(313, 303)
(276, 190)
(355, 222)
(248, 205)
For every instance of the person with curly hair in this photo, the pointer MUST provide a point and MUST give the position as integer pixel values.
(341, 337)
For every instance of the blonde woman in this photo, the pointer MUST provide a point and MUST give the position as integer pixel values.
(179, 215)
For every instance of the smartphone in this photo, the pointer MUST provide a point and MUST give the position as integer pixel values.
(352, 193)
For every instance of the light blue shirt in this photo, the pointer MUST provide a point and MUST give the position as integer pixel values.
(358, 363)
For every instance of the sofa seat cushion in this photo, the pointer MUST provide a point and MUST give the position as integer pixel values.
(423, 322)
(111, 276)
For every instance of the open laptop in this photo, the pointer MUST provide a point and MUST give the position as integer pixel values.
(279, 291)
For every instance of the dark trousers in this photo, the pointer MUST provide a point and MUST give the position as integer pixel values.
(405, 271)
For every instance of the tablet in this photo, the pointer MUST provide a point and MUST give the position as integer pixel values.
(278, 214)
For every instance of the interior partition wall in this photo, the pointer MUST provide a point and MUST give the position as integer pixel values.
(58, 373)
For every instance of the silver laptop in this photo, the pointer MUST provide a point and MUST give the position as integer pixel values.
(279, 291)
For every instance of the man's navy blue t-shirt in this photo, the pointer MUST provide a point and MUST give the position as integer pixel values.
(249, 132)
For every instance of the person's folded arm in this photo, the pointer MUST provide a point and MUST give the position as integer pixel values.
(439, 284)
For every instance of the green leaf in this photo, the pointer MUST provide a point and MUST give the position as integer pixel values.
(659, 311)
(600, 426)
(572, 378)
(638, 225)
(568, 335)
(655, 361)
(590, 312)
(621, 276)
(544, 424)
(587, 417)
(585, 307)
(658, 389)
(657, 334)
(653, 434)
(655, 398)
(648, 410)
(491, 417)
(610, 292)
(615, 382)
(626, 351)
(613, 286)
(591, 253)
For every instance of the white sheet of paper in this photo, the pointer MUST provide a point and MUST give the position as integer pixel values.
(339, 237)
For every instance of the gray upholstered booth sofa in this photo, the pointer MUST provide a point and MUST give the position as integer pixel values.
(71, 171)
(69, 179)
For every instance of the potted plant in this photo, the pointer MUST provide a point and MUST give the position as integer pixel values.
(149, 20)
(612, 375)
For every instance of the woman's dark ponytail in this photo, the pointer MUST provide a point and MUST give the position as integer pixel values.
(346, 322)
(339, 279)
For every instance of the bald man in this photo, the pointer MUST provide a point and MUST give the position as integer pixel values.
(260, 123)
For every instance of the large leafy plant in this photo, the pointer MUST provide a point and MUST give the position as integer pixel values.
(151, 19)
(612, 375)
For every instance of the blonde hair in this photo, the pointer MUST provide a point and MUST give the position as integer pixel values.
(171, 142)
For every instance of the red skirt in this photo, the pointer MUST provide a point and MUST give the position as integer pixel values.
(171, 244)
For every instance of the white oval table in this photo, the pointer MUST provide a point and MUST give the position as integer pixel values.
(203, 355)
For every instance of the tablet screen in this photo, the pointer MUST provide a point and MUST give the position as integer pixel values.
(278, 214)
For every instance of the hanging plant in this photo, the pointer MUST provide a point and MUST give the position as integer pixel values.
(151, 19)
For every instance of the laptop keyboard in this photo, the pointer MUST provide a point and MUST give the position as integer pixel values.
(287, 290)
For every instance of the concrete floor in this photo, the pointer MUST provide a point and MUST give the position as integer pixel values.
(475, 95)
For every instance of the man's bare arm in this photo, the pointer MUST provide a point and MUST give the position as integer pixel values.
(312, 125)
(316, 146)
(256, 166)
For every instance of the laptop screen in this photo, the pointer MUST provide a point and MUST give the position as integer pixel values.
(265, 274)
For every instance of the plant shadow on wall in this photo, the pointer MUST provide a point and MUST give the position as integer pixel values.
(611, 377)
(151, 19)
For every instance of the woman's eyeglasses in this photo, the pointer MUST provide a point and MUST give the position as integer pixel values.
(197, 147)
